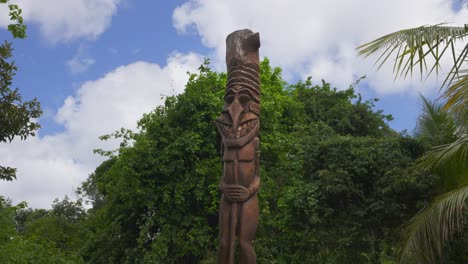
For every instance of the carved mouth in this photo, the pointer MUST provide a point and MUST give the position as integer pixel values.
(244, 129)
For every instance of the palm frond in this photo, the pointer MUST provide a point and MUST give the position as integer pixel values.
(435, 125)
(414, 46)
(427, 233)
(449, 161)
(456, 151)
(456, 97)
(422, 49)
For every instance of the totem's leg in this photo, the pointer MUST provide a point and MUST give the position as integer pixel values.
(232, 232)
(248, 221)
(224, 231)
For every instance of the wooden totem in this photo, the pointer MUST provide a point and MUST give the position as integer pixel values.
(239, 125)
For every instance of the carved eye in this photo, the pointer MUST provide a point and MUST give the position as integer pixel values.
(244, 99)
(229, 99)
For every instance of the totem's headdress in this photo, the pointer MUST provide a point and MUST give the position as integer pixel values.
(245, 76)
(243, 66)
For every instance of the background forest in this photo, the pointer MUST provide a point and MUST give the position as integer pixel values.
(337, 184)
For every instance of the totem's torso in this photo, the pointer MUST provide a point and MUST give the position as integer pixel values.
(241, 161)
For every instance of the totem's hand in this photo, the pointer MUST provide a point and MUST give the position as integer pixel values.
(236, 193)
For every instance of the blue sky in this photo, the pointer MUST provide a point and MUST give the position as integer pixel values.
(96, 66)
(140, 30)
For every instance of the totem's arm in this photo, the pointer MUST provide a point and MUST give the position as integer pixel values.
(238, 193)
(222, 184)
(254, 186)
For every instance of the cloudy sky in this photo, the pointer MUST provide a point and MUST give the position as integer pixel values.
(98, 65)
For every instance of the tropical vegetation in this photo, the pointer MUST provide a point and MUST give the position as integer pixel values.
(337, 184)
(444, 128)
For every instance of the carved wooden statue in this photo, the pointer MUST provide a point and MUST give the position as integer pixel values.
(239, 126)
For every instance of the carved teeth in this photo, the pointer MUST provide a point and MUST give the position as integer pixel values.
(244, 132)
(241, 131)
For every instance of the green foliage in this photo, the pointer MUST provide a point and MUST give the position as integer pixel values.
(422, 49)
(16, 117)
(346, 204)
(414, 46)
(15, 114)
(337, 183)
(435, 126)
(17, 29)
(17, 248)
(428, 232)
(160, 195)
(63, 226)
(337, 109)
(336, 180)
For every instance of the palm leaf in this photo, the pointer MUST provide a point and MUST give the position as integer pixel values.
(427, 233)
(456, 97)
(435, 125)
(449, 161)
(456, 152)
(421, 49)
(415, 46)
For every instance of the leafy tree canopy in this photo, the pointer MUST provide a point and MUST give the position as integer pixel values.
(336, 180)
(337, 183)
(17, 117)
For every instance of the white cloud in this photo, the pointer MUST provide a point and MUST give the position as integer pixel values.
(80, 62)
(54, 165)
(66, 20)
(316, 38)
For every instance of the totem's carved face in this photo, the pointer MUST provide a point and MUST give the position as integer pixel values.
(239, 120)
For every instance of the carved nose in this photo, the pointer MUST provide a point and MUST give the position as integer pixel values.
(235, 110)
